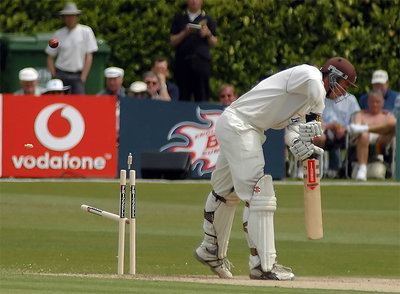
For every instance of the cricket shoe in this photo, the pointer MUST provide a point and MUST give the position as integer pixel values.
(219, 266)
(278, 272)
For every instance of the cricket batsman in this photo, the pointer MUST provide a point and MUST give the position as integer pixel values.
(282, 100)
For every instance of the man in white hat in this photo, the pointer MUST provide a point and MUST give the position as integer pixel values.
(114, 79)
(138, 89)
(56, 86)
(28, 79)
(75, 51)
(380, 81)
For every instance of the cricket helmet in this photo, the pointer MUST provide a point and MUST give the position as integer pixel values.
(339, 67)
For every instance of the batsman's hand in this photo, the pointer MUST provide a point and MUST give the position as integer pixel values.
(309, 130)
(304, 150)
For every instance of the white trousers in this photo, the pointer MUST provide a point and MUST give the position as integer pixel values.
(240, 163)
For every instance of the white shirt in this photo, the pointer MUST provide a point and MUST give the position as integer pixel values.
(282, 99)
(73, 46)
(340, 112)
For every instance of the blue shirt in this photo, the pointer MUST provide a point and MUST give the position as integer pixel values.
(390, 98)
(340, 112)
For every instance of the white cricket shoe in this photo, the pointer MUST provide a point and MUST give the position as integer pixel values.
(219, 266)
(278, 272)
(361, 174)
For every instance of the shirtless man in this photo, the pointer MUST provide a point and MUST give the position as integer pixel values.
(373, 126)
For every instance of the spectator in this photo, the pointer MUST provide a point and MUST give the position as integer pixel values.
(380, 81)
(227, 94)
(154, 87)
(114, 79)
(336, 119)
(193, 33)
(373, 126)
(161, 68)
(28, 79)
(74, 52)
(56, 87)
(138, 89)
(396, 110)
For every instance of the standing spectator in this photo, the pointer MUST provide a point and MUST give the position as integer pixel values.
(193, 33)
(114, 79)
(161, 68)
(56, 87)
(380, 81)
(74, 52)
(227, 94)
(28, 79)
(154, 87)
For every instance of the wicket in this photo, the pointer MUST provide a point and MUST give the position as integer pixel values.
(122, 219)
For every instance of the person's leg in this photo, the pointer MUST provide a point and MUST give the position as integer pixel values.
(201, 69)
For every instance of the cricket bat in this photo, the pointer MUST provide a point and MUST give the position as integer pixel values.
(312, 199)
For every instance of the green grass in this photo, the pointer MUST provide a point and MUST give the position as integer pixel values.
(43, 230)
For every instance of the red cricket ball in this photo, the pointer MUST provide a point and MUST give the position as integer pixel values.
(53, 43)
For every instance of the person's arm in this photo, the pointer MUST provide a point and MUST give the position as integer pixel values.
(178, 38)
(50, 65)
(164, 95)
(206, 33)
(86, 66)
(385, 127)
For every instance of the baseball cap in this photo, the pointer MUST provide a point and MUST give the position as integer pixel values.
(70, 9)
(113, 72)
(379, 77)
(28, 74)
(55, 85)
(138, 87)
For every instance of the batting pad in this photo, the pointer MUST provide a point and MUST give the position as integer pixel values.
(260, 227)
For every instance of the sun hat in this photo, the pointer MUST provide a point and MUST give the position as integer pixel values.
(28, 74)
(70, 9)
(113, 72)
(138, 87)
(379, 77)
(55, 85)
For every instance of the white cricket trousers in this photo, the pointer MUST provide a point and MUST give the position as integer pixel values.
(240, 163)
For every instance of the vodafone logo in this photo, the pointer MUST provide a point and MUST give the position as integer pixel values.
(57, 143)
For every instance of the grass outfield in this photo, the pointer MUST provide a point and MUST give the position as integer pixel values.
(43, 230)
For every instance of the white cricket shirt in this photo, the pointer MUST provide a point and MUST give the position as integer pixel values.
(282, 99)
(73, 46)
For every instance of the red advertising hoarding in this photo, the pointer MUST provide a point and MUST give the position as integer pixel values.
(58, 136)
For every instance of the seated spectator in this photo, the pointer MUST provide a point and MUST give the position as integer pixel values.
(227, 94)
(138, 89)
(161, 68)
(335, 121)
(28, 79)
(114, 79)
(396, 110)
(154, 87)
(373, 126)
(56, 87)
(380, 81)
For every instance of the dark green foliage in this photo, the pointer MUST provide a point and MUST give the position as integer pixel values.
(256, 37)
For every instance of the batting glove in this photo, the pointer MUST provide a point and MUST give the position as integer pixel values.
(304, 150)
(308, 131)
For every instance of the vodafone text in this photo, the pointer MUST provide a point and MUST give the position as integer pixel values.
(64, 161)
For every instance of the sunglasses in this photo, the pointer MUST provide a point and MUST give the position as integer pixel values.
(151, 82)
